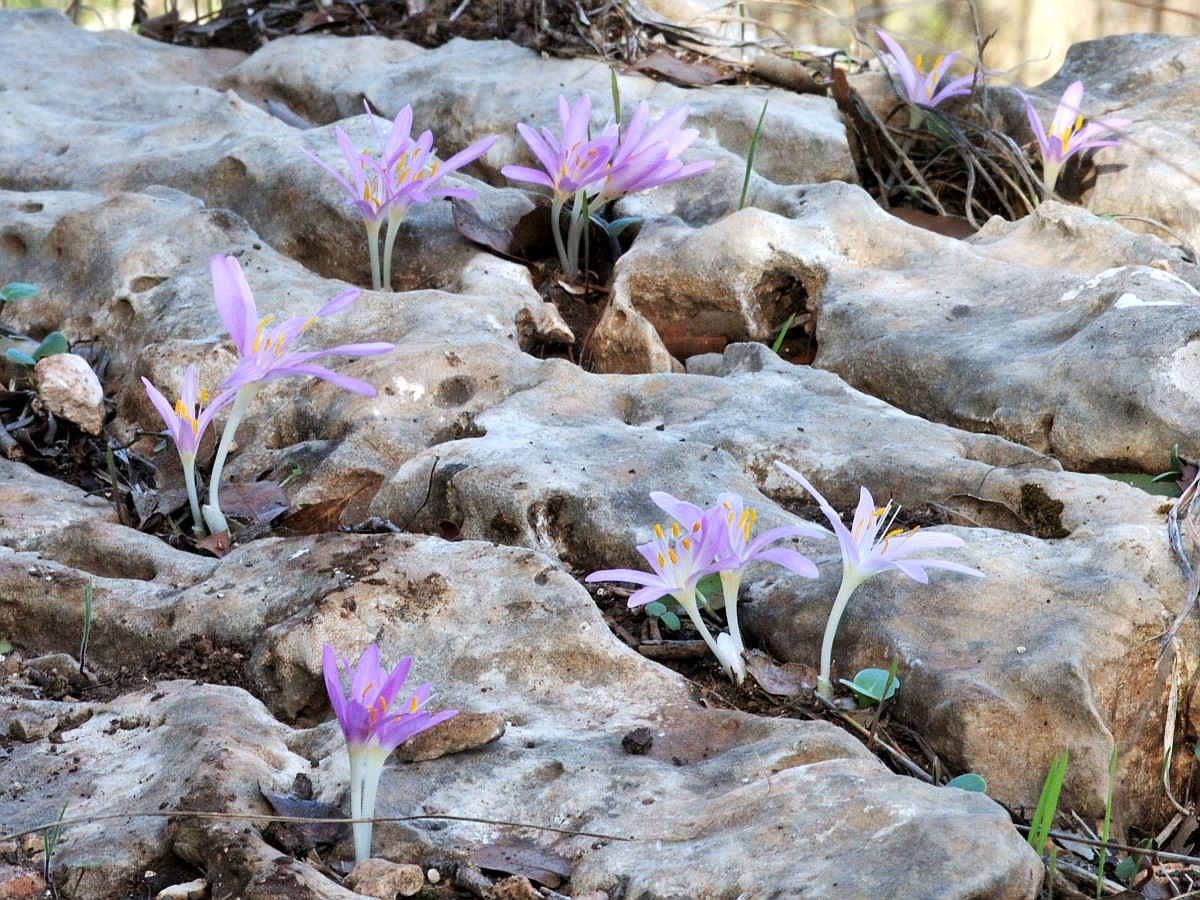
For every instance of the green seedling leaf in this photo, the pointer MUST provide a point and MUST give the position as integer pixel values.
(616, 226)
(656, 609)
(616, 94)
(5, 648)
(750, 156)
(17, 290)
(1175, 473)
(782, 334)
(670, 621)
(869, 685)
(969, 782)
(1126, 869)
(1151, 484)
(52, 345)
(1043, 816)
(22, 359)
(1108, 803)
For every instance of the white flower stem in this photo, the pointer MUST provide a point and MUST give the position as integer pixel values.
(213, 517)
(371, 771)
(362, 830)
(824, 685)
(389, 242)
(731, 580)
(189, 479)
(688, 602)
(373, 250)
(556, 227)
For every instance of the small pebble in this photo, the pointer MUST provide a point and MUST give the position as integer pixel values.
(433, 876)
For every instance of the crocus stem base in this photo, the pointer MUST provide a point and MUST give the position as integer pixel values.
(213, 516)
(389, 243)
(824, 685)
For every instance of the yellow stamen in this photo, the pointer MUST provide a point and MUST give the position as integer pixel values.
(674, 558)
(658, 532)
(413, 705)
(661, 561)
(258, 333)
(687, 545)
(674, 529)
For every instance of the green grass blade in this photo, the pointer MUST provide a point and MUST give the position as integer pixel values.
(1112, 780)
(786, 325)
(750, 155)
(1043, 816)
(616, 95)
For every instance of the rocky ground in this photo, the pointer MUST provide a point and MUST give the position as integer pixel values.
(985, 384)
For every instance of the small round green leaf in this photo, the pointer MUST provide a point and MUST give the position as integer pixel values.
(1126, 869)
(709, 585)
(17, 290)
(5, 647)
(655, 609)
(23, 359)
(868, 686)
(969, 782)
(53, 344)
(670, 621)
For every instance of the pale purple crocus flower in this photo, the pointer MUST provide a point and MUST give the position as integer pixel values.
(414, 175)
(265, 355)
(374, 724)
(1068, 135)
(571, 164)
(679, 558)
(923, 90)
(646, 158)
(186, 422)
(367, 189)
(736, 550)
(866, 553)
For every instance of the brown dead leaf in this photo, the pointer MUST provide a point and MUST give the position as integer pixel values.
(530, 239)
(680, 71)
(319, 18)
(254, 501)
(216, 544)
(316, 518)
(787, 680)
(522, 858)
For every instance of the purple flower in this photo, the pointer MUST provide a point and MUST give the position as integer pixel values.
(413, 174)
(922, 90)
(374, 724)
(186, 422)
(647, 158)
(866, 553)
(189, 417)
(1068, 135)
(735, 550)
(574, 161)
(264, 354)
(404, 174)
(366, 186)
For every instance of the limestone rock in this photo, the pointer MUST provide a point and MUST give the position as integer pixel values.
(68, 388)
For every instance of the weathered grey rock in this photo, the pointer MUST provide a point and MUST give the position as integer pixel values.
(1014, 332)
(1152, 80)
(1089, 361)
